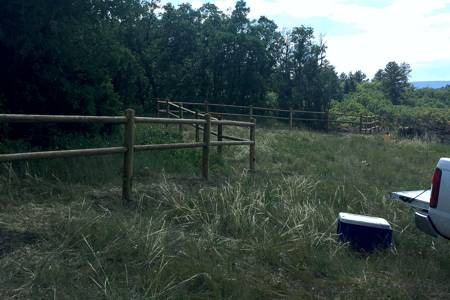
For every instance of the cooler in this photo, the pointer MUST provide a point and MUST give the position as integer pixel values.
(364, 232)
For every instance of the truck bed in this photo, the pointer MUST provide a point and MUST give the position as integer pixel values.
(419, 199)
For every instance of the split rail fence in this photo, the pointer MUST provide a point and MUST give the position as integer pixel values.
(129, 120)
(366, 124)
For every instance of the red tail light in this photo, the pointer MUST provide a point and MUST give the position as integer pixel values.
(436, 184)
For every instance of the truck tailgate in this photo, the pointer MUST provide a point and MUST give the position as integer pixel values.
(419, 199)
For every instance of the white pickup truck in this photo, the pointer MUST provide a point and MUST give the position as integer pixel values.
(432, 206)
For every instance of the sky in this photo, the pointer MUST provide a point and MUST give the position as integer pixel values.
(367, 34)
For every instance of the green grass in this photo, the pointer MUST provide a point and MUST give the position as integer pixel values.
(238, 236)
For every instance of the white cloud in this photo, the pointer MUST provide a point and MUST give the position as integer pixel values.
(196, 4)
(412, 31)
(224, 5)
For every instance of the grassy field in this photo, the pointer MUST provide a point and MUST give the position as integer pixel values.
(270, 235)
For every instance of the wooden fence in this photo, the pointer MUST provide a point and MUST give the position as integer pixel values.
(366, 124)
(129, 120)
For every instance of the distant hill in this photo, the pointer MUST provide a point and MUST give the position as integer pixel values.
(430, 84)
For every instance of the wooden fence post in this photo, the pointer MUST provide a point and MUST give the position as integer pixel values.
(157, 107)
(206, 142)
(291, 113)
(220, 135)
(167, 111)
(197, 128)
(180, 126)
(253, 146)
(365, 124)
(360, 123)
(327, 116)
(372, 127)
(251, 112)
(128, 160)
(206, 107)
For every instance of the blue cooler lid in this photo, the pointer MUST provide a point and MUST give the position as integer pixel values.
(364, 220)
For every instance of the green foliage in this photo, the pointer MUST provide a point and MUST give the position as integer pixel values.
(367, 98)
(306, 79)
(390, 96)
(428, 97)
(394, 80)
(271, 100)
(425, 109)
(350, 82)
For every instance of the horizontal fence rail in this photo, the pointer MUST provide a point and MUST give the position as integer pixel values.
(233, 123)
(167, 146)
(61, 119)
(363, 123)
(168, 120)
(61, 153)
(232, 143)
(202, 122)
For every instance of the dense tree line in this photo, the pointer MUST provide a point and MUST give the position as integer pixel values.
(99, 57)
